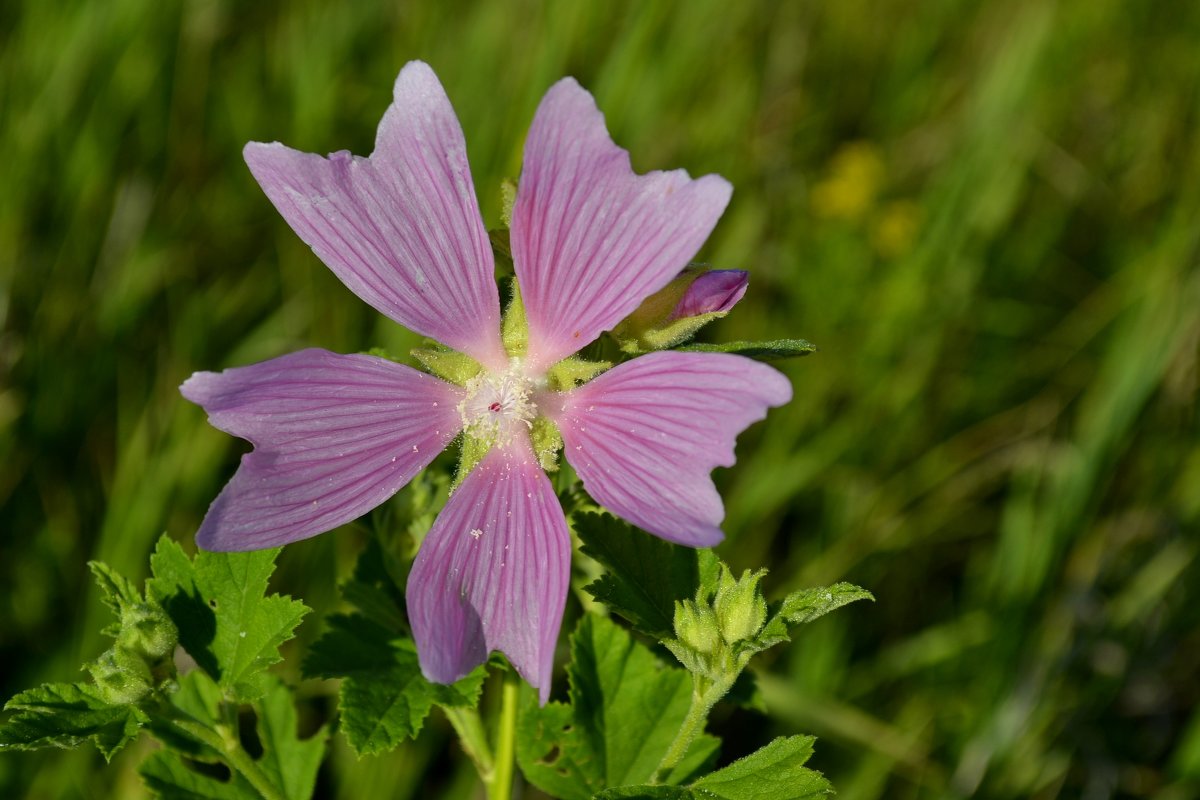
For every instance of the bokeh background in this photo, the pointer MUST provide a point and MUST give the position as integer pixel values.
(985, 214)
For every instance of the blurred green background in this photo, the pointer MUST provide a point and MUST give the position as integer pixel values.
(987, 215)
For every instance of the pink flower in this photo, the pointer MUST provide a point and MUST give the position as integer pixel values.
(336, 435)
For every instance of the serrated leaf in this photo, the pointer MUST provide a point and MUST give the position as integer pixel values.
(118, 592)
(644, 575)
(289, 761)
(168, 776)
(776, 772)
(226, 621)
(774, 350)
(68, 715)
(626, 708)
(809, 604)
(384, 698)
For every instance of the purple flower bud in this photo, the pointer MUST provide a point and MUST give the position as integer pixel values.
(715, 291)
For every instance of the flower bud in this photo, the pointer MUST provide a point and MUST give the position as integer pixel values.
(121, 677)
(696, 627)
(147, 631)
(740, 607)
(712, 292)
(686, 304)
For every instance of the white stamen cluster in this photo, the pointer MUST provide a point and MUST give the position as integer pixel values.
(496, 402)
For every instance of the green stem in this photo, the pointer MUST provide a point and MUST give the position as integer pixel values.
(473, 738)
(229, 747)
(703, 700)
(501, 783)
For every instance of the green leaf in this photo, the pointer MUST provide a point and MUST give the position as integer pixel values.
(68, 715)
(226, 621)
(384, 698)
(776, 772)
(646, 793)
(290, 762)
(645, 575)
(168, 776)
(119, 593)
(626, 707)
(808, 604)
(774, 350)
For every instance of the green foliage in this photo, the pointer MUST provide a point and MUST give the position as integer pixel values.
(384, 699)
(625, 709)
(1002, 422)
(226, 621)
(68, 715)
(776, 772)
(288, 764)
(763, 351)
(645, 575)
(807, 605)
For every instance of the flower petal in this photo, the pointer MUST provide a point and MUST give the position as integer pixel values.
(590, 238)
(492, 574)
(645, 435)
(334, 437)
(402, 228)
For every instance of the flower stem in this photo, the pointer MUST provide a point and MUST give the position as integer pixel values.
(500, 785)
(703, 700)
(473, 738)
(225, 741)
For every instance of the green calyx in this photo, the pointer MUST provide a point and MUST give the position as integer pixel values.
(547, 441)
(449, 365)
(122, 677)
(147, 631)
(514, 330)
(573, 371)
(740, 608)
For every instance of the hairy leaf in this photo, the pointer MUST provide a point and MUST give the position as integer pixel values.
(776, 772)
(808, 604)
(67, 715)
(226, 621)
(774, 350)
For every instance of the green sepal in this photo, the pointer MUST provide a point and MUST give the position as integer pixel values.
(508, 199)
(514, 330)
(472, 450)
(449, 365)
(774, 350)
(739, 605)
(547, 441)
(574, 371)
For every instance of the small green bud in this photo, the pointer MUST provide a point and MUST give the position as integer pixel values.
(741, 609)
(146, 630)
(121, 676)
(696, 626)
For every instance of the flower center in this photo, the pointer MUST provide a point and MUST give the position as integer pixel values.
(497, 402)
